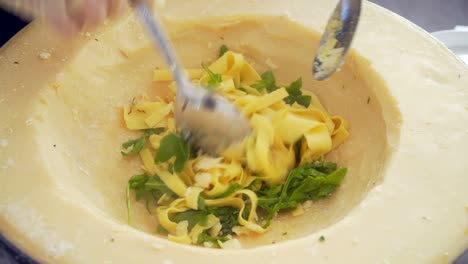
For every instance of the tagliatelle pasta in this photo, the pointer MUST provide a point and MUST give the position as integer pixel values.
(286, 133)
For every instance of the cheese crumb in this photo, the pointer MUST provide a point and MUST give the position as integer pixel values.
(203, 180)
(44, 55)
(158, 246)
(307, 204)
(231, 244)
(182, 228)
(270, 64)
(208, 244)
(4, 142)
(298, 211)
(10, 162)
(210, 45)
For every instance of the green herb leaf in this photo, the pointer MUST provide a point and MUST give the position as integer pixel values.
(203, 237)
(267, 82)
(161, 230)
(134, 146)
(193, 217)
(295, 94)
(215, 79)
(322, 239)
(222, 50)
(311, 181)
(173, 146)
(294, 88)
(227, 215)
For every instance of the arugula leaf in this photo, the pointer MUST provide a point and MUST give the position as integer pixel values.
(267, 82)
(134, 146)
(173, 145)
(222, 50)
(311, 181)
(215, 79)
(151, 188)
(203, 237)
(227, 215)
(193, 217)
(295, 94)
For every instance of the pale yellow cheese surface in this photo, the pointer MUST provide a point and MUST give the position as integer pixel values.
(62, 191)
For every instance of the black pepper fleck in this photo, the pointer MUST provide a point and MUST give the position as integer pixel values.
(96, 39)
(55, 145)
(16, 62)
(112, 239)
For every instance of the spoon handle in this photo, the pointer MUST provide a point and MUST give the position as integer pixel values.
(156, 30)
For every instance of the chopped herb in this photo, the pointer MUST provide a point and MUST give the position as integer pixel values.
(127, 199)
(193, 217)
(149, 187)
(203, 237)
(295, 94)
(173, 145)
(285, 234)
(215, 79)
(161, 230)
(311, 181)
(267, 82)
(134, 146)
(322, 239)
(227, 215)
(96, 39)
(222, 50)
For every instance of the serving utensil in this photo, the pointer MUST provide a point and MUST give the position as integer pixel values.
(208, 121)
(337, 38)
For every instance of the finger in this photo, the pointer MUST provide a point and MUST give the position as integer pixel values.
(56, 13)
(116, 7)
(93, 12)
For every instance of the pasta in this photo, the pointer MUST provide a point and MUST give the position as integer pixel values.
(281, 130)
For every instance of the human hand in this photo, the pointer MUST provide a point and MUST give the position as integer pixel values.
(70, 16)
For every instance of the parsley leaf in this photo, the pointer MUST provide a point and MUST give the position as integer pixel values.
(222, 50)
(134, 146)
(311, 181)
(267, 82)
(173, 145)
(295, 94)
(215, 79)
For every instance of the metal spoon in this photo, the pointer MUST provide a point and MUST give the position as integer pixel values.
(337, 38)
(208, 121)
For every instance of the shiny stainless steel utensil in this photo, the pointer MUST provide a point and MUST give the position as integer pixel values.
(337, 38)
(209, 121)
